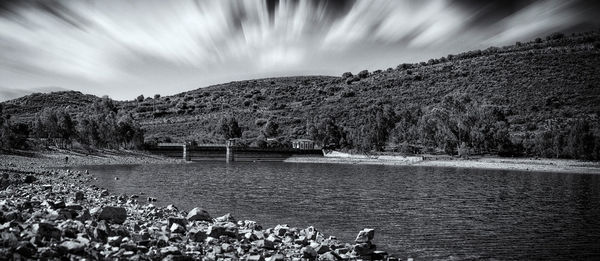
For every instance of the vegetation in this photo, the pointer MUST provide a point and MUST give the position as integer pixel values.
(538, 98)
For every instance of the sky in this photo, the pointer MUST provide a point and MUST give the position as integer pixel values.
(124, 48)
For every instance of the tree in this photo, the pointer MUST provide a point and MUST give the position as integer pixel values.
(140, 98)
(271, 129)
(229, 128)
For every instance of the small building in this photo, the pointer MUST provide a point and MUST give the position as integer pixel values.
(303, 144)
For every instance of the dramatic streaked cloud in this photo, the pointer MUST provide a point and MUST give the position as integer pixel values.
(124, 48)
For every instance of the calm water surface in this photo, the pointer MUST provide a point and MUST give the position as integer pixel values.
(424, 213)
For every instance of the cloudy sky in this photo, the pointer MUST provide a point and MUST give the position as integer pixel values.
(124, 48)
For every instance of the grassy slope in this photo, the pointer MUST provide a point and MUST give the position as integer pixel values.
(533, 82)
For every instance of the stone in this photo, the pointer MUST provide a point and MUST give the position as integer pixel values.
(101, 231)
(322, 249)
(365, 235)
(196, 235)
(26, 249)
(177, 228)
(277, 257)
(114, 241)
(329, 256)
(47, 231)
(115, 215)
(265, 244)
(176, 220)
(79, 196)
(72, 247)
(309, 252)
(170, 250)
(280, 230)
(218, 230)
(225, 218)
(29, 179)
(198, 214)
(364, 249)
(379, 255)
(255, 258)
(104, 193)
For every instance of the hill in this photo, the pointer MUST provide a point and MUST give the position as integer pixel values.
(501, 100)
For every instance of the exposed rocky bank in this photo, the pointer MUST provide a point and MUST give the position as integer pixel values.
(50, 213)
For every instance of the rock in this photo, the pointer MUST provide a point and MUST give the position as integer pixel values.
(114, 241)
(46, 252)
(329, 256)
(322, 249)
(218, 230)
(379, 255)
(265, 244)
(198, 214)
(116, 215)
(177, 228)
(280, 230)
(104, 193)
(225, 218)
(365, 235)
(170, 250)
(101, 231)
(364, 249)
(277, 257)
(176, 220)
(177, 258)
(79, 196)
(72, 247)
(47, 231)
(255, 258)
(196, 235)
(26, 249)
(29, 179)
(309, 252)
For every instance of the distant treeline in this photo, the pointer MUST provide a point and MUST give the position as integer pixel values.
(99, 125)
(456, 126)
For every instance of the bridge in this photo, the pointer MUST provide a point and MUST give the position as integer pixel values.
(230, 150)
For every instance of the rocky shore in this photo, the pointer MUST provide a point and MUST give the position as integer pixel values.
(50, 213)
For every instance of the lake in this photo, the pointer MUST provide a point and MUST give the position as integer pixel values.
(419, 212)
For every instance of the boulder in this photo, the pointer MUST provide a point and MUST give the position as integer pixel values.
(365, 235)
(115, 215)
(79, 195)
(218, 230)
(309, 253)
(255, 258)
(196, 235)
(364, 249)
(322, 249)
(198, 214)
(177, 228)
(26, 249)
(176, 220)
(277, 257)
(47, 231)
(280, 230)
(72, 247)
(29, 179)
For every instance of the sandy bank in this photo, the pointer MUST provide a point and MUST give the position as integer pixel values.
(519, 164)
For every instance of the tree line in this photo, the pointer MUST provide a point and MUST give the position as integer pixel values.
(99, 125)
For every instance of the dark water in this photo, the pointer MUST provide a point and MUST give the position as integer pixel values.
(424, 213)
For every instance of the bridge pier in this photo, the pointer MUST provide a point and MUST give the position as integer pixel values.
(229, 150)
(186, 154)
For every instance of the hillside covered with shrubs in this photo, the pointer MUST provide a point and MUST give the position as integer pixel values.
(538, 98)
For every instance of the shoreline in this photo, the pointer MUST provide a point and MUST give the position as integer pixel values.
(495, 163)
(47, 212)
